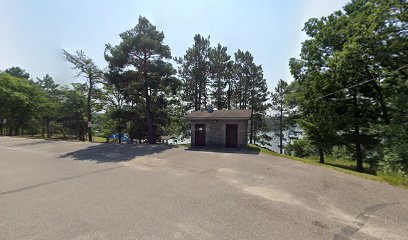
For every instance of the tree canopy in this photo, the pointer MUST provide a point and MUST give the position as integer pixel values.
(141, 63)
(342, 80)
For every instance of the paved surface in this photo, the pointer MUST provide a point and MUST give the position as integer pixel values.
(70, 190)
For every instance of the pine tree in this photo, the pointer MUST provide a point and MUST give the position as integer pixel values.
(194, 70)
(141, 62)
(279, 105)
(251, 91)
(220, 70)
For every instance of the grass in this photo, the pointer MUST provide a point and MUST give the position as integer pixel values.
(98, 139)
(342, 166)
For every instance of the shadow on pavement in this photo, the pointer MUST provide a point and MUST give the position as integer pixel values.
(224, 150)
(36, 142)
(115, 152)
(353, 168)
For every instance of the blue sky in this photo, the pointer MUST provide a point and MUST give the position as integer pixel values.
(33, 33)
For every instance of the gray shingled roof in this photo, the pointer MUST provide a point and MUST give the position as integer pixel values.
(221, 114)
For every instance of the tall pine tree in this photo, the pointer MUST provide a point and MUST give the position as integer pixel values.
(142, 61)
(194, 69)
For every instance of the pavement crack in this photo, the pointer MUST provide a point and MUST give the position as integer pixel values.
(361, 220)
(57, 181)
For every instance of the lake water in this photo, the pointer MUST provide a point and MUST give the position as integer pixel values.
(290, 135)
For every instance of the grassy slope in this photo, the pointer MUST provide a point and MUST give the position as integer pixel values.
(342, 166)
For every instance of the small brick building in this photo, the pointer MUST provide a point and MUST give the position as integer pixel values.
(219, 128)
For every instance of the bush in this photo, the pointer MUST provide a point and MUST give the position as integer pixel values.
(342, 152)
(301, 148)
(393, 163)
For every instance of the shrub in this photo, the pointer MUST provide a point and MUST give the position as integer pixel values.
(301, 148)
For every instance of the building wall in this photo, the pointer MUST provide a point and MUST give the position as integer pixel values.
(215, 132)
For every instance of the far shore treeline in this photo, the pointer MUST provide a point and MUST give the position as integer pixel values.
(348, 94)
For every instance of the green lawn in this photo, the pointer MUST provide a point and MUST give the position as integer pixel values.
(98, 139)
(342, 166)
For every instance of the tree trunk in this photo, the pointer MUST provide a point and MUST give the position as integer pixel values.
(219, 95)
(381, 98)
(42, 131)
(199, 96)
(47, 121)
(89, 112)
(196, 108)
(383, 104)
(251, 134)
(321, 154)
(358, 155)
(281, 130)
(359, 159)
(204, 95)
(229, 96)
(80, 128)
(149, 119)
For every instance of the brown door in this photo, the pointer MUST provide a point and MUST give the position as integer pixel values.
(231, 135)
(200, 135)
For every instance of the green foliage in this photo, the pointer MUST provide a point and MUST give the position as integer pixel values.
(141, 74)
(210, 76)
(30, 107)
(265, 139)
(73, 111)
(87, 68)
(17, 72)
(177, 124)
(281, 111)
(342, 152)
(251, 91)
(301, 148)
(221, 73)
(195, 68)
(18, 98)
(49, 103)
(341, 80)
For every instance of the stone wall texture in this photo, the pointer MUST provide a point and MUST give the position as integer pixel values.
(216, 132)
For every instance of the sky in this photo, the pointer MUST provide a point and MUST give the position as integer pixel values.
(33, 33)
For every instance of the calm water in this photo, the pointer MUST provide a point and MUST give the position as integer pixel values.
(289, 135)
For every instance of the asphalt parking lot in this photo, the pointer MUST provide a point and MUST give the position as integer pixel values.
(73, 190)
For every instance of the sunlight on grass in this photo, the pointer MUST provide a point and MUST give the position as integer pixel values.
(98, 139)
